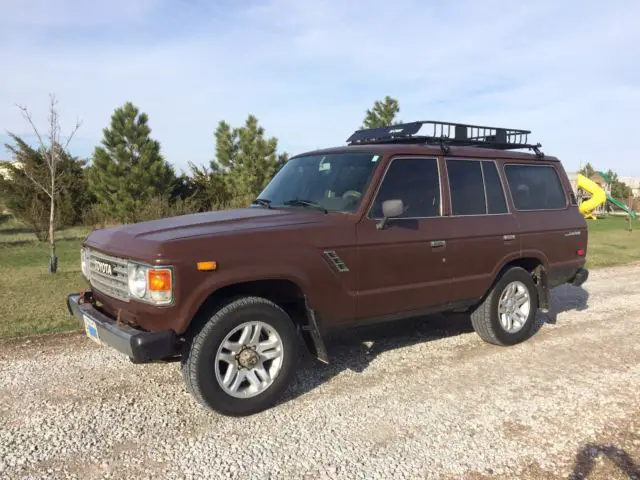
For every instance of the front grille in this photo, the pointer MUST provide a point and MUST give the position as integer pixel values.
(109, 275)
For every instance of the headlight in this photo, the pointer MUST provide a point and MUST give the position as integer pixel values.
(84, 263)
(137, 280)
(151, 284)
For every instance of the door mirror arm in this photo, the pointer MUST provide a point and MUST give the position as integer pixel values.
(382, 223)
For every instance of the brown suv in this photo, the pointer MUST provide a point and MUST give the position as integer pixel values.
(395, 224)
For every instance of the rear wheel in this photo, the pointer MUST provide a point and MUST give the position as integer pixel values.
(243, 358)
(507, 314)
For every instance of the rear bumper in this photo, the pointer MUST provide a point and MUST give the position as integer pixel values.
(580, 277)
(138, 345)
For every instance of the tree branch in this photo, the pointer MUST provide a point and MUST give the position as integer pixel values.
(73, 132)
(59, 175)
(30, 177)
(54, 135)
(27, 116)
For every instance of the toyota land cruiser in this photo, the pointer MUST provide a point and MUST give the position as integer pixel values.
(397, 223)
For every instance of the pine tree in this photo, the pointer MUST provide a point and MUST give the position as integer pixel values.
(588, 171)
(245, 160)
(210, 191)
(619, 190)
(382, 114)
(128, 170)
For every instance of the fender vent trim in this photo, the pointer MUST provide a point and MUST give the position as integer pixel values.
(336, 261)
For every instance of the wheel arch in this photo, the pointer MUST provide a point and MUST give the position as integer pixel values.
(286, 292)
(534, 262)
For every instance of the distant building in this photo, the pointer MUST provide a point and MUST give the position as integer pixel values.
(4, 171)
(633, 183)
(573, 178)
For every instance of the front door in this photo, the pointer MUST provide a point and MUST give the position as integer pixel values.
(403, 267)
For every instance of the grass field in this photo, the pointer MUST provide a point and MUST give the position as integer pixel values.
(611, 243)
(32, 301)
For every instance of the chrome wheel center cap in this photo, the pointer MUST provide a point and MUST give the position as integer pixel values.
(248, 358)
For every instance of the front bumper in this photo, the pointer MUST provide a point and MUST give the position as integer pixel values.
(138, 345)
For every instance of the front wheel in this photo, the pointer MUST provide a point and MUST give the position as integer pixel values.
(243, 358)
(507, 314)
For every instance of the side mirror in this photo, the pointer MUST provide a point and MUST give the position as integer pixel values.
(390, 209)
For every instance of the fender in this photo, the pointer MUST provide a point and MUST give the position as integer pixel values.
(310, 330)
(218, 280)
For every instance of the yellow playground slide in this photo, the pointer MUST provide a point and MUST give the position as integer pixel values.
(598, 196)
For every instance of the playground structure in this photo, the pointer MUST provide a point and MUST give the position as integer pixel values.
(599, 189)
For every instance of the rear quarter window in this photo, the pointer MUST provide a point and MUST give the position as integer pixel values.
(535, 187)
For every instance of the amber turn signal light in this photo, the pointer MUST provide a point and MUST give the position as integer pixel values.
(207, 266)
(160, 280)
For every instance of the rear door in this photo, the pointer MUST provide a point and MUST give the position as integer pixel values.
(404, 266)
(551, 227)
(484, 230)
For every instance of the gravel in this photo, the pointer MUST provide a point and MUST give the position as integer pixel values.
(419, 399)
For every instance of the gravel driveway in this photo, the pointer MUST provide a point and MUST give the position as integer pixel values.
(423, 399)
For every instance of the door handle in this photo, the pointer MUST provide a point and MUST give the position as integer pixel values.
(438, 243)
(506, 238)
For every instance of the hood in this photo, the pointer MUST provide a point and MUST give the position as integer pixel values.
(143, 240)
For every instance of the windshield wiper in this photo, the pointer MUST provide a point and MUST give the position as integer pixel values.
(305, 203)
(262, 202)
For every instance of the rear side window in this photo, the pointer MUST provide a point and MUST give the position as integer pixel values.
(535, 187)
(475, 188)
(467, 187)
(415, 181)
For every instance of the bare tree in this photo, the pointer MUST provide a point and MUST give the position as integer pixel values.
(51, 153)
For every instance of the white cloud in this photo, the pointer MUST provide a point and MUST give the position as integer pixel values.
(309, 69)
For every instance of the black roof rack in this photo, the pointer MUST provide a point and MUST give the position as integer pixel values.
(447, 134)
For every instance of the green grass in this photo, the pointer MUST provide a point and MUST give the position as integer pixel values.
(13, 233)
(611, 243)
(32, 301)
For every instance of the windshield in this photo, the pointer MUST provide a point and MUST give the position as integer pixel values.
(334, 182)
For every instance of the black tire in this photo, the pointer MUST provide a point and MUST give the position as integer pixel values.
(485, 319)
(198, 360)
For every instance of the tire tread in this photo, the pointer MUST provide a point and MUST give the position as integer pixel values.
(481, 320)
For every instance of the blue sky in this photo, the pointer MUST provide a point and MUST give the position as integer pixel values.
(308, 70)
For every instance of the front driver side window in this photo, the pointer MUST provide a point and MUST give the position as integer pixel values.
(416, 182)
